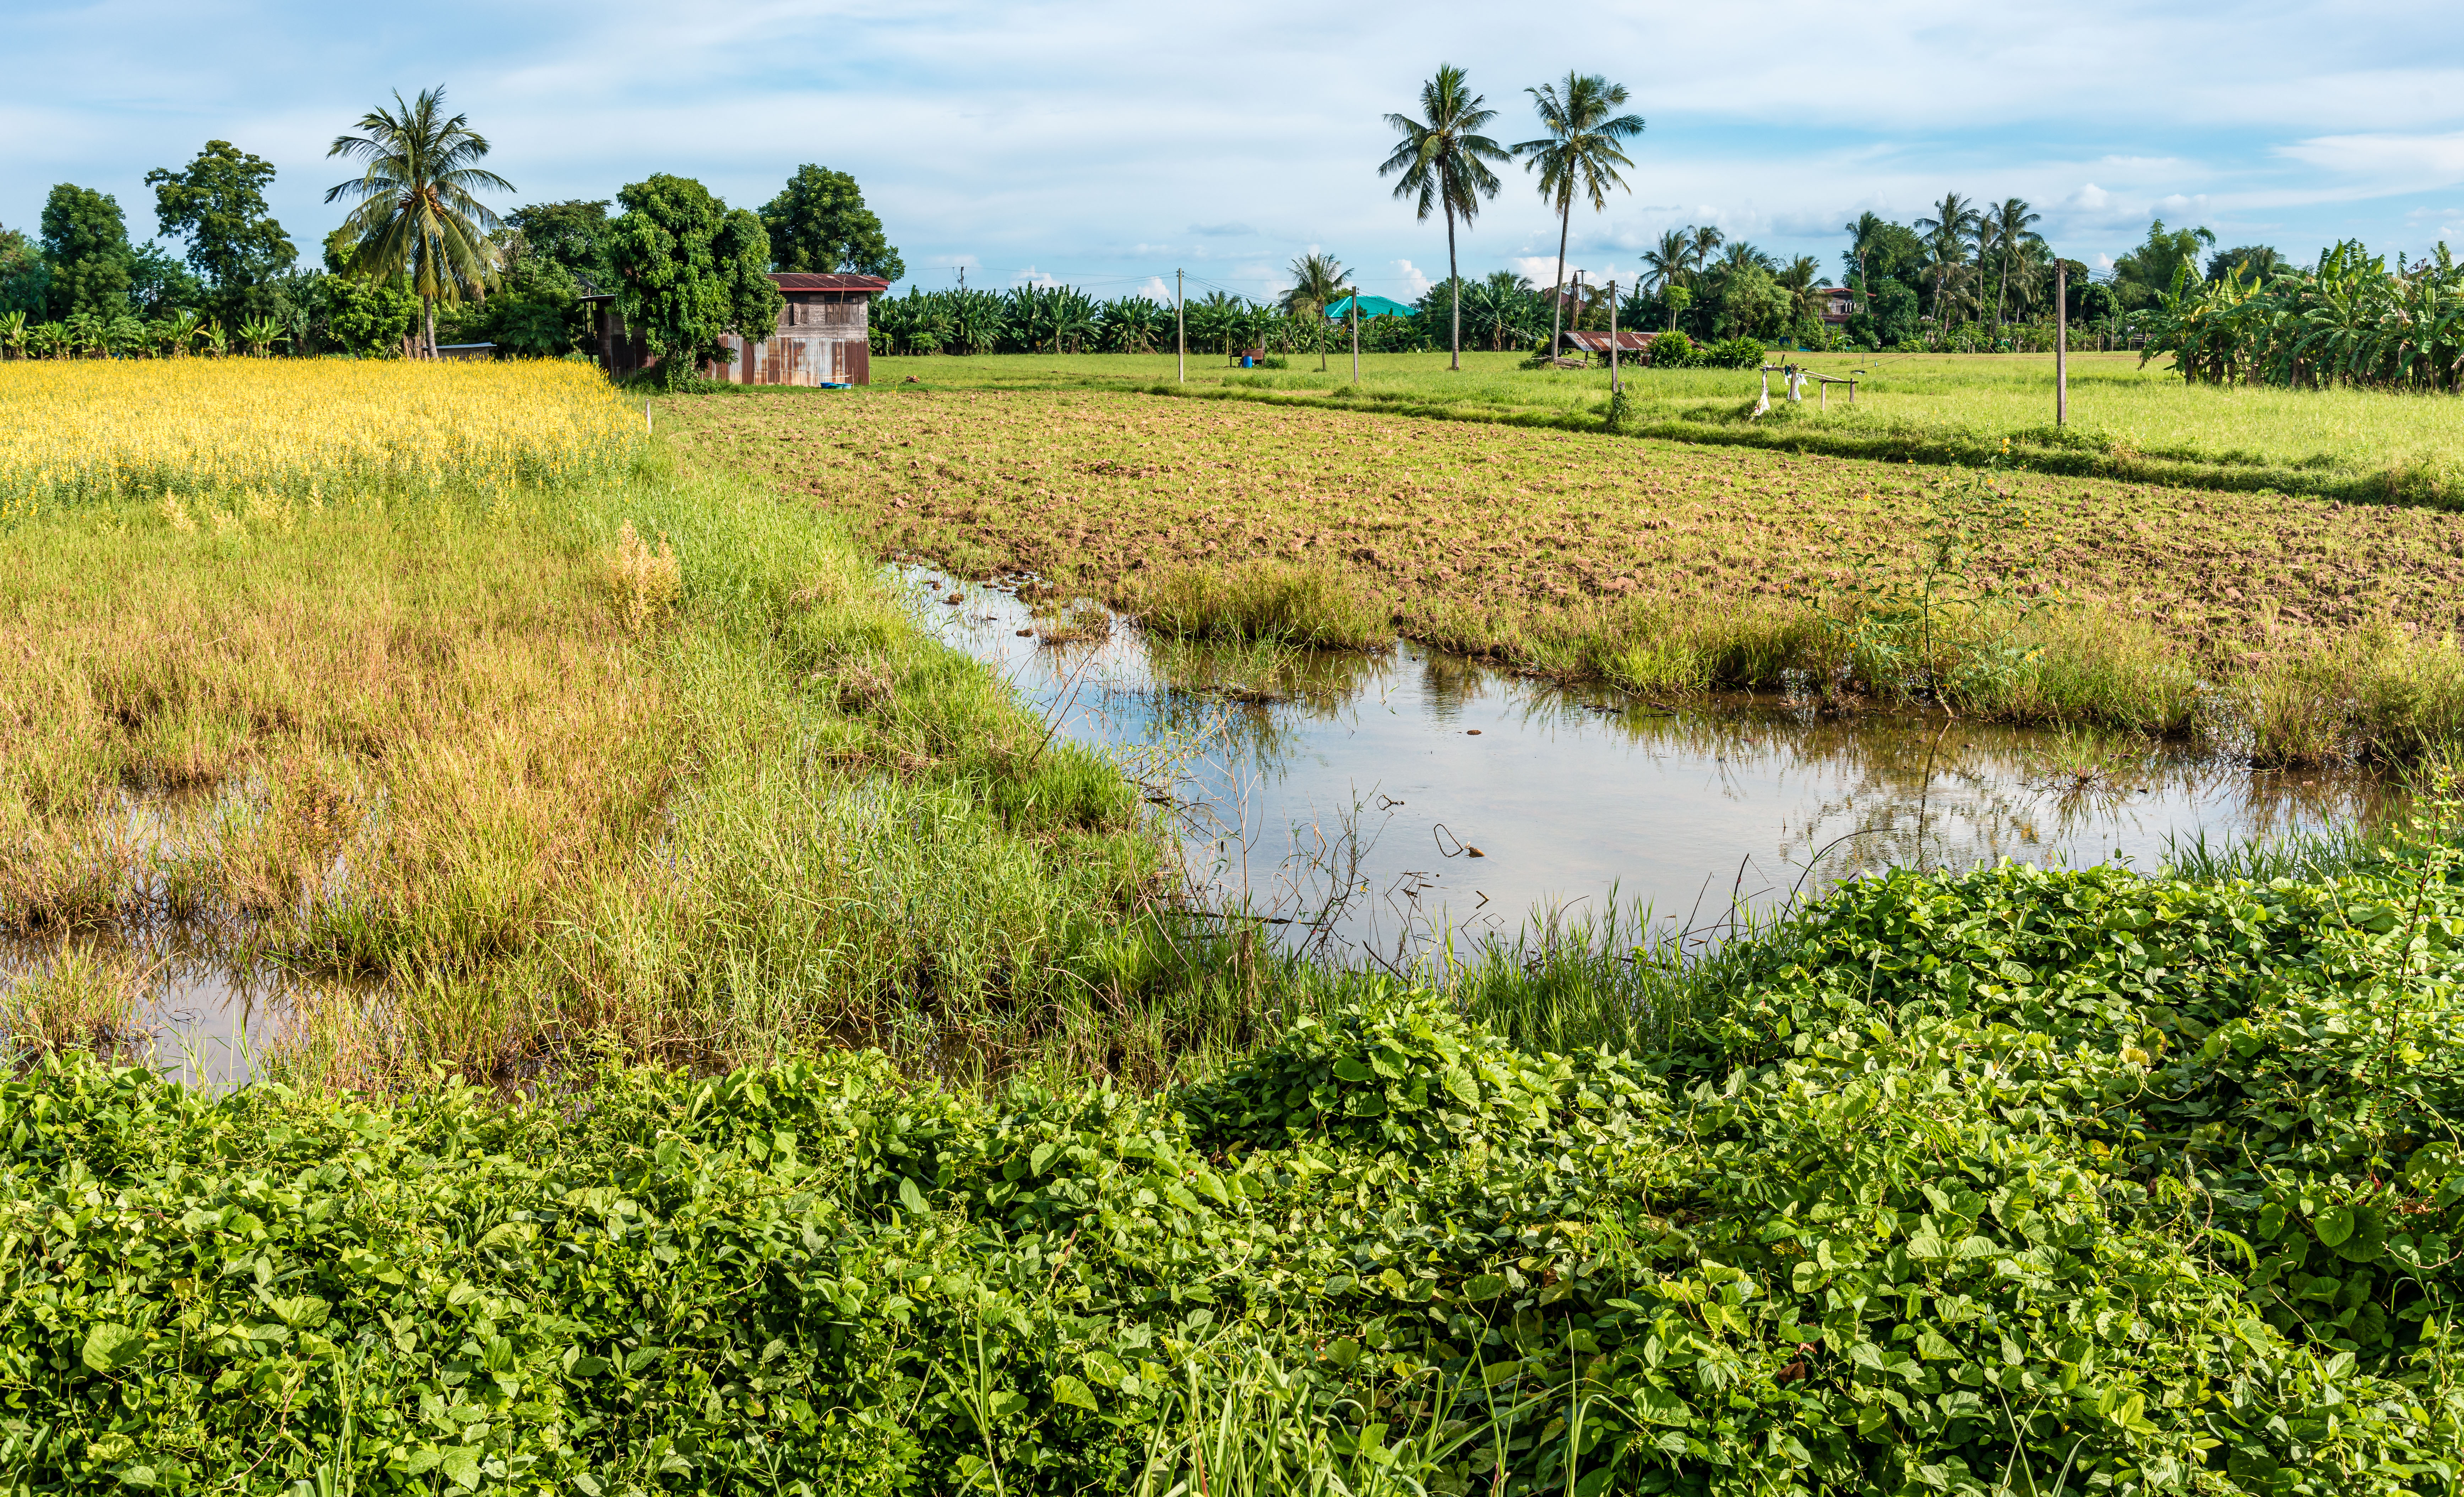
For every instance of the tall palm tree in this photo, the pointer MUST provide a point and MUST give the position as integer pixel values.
(1705, 239)
(1580, 154)
(1444, 164)
(416, 214)
(1946, 237)
(1861, 237)
(1664, 263)
(2012, 222)
(1318, 282)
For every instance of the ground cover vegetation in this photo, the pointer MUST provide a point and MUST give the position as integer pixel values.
(2286, 627)
(2009, 1181)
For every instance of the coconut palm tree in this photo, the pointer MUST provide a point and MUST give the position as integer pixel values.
(1945, 239)
(1317, 283)
(1664, 263)
(2012, 222)
(1443, 161)
(1580, 154)
(1863, 235)
(416, 214)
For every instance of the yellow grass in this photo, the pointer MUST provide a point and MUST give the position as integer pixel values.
(80, 430)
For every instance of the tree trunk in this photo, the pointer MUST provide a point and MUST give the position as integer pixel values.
(1454, 292)
(1557, 292)
(428, 313)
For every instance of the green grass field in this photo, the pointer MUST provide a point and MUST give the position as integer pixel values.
(2125, 420)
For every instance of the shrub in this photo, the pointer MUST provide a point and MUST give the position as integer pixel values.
(1732, 353)
(1672, 350)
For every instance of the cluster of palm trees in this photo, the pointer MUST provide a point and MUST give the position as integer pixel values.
(1969, 251)
(85, 335)
(1695, 266)
(1441, 160)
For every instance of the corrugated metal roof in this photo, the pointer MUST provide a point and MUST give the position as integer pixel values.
(798, 281)
(1627, 341)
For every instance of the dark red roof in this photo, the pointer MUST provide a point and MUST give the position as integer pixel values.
(1627, 339)
(798, 280)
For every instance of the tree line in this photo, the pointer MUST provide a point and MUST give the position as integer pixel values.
(419, 261)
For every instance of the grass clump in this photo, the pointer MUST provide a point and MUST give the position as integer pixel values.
(1261, 601)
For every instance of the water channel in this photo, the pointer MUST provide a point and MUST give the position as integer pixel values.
(1375, 804)
(1388, 801)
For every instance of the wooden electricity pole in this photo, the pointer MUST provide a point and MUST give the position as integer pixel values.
(1613, 351)
(1356, 335)
(1180, 324)
(2061, 342)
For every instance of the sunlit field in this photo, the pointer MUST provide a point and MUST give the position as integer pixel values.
(2126, 420)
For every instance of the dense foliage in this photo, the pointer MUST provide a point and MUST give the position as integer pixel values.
(688, 268)
(2350, 319)
(2004, 1181)
(819, 222)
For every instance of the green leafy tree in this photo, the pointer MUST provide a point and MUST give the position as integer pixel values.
(218, 205)
(2010, 229)
(85, 242)
(573, 234)
(23, 274)
(1579, 155)
(417, 215)
(688, 270)
(2148, 272)
(820, 225)
(2256, 263)
(158, 284)
(1443, 165)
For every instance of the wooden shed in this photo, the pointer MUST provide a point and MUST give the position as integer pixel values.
(823, 336)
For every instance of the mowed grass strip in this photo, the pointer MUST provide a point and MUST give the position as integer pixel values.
(1661, 564)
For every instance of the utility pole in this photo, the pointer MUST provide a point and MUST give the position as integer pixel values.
(2061, 342)
(1614, 386)
(962, 279)
(1356, 335)
(1180, 325)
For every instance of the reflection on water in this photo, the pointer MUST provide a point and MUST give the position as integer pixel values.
(169, 997)
(1381, 799)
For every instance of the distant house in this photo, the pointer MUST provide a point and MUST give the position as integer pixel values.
(1839, 303)
(823, 336)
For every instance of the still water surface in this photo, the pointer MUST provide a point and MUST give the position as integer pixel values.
(1404, 795)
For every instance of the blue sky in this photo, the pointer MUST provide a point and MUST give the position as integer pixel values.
(1108, 143)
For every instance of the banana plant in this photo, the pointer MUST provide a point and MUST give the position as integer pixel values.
(259, 333)
(12, 333)
(83, 332)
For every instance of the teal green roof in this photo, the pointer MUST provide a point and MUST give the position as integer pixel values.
(1371, 306)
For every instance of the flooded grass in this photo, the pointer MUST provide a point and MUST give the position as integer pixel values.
(2288, 629)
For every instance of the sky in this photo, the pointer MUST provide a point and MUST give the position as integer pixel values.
(1110, 144)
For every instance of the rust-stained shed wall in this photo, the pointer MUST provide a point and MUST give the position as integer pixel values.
(823, 336)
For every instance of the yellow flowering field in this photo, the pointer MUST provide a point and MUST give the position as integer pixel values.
(75, 431)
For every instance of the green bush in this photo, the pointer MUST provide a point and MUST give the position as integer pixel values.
(1731, 353)
(1672, 350)
(2016, 1180)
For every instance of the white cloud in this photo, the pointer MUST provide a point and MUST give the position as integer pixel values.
(1410, 276)
(2090, 198)
(2396, 163)
(1153, 290)
(1032, 276)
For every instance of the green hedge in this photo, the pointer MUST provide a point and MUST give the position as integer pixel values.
(2016, 1180)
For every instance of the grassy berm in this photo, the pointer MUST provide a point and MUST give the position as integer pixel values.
(2016, 1182)
(2291, 628)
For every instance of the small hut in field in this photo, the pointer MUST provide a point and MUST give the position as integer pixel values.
(823, 336)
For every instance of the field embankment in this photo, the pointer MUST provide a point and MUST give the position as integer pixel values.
(2129, 422)
(2287, 628)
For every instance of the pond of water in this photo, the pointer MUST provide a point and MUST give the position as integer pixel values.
(1387, 799)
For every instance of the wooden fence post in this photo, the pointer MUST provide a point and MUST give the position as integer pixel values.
(2061, 342)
